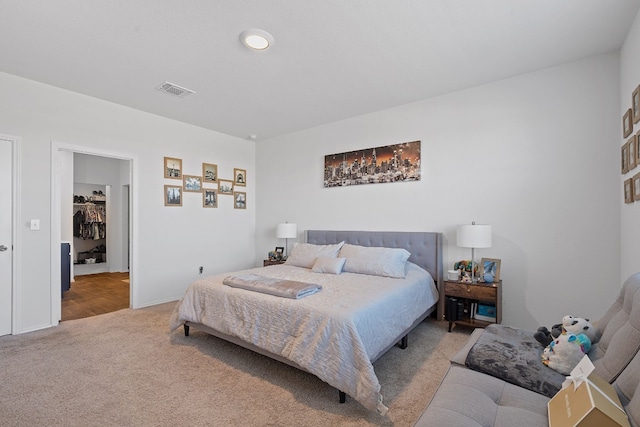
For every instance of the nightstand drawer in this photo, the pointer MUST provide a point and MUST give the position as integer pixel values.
(467, 290)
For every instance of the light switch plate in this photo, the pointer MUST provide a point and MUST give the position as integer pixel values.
(35, 224)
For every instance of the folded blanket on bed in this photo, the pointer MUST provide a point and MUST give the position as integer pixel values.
(514, 355)
(278, 287)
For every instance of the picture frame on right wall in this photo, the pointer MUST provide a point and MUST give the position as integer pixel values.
(628, 190)
(636, 187)
(491, 266)
(635, 104)
(631, 152)
(624, 158)
(627, 123)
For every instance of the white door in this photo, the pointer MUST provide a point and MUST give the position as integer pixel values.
(6, 209)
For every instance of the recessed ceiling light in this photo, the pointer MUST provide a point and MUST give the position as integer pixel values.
(256, 39)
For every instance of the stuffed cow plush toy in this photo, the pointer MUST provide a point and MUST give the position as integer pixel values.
(575, 325)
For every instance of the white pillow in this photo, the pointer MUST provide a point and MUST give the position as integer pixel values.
(329, 265)
(305, 254)
(386, 262)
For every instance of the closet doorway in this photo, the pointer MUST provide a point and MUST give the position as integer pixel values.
(93, 191)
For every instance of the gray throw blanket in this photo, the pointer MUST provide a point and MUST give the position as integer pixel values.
(515, 356)
(277, 287)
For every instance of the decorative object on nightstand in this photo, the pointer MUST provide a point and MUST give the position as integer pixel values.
(473, 236)
(286, 231)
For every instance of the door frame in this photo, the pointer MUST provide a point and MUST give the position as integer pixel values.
(56, 221)
(15, 142)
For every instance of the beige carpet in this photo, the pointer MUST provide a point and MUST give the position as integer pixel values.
(126, 369)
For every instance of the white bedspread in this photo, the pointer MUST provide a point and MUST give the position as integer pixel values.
(332, 334)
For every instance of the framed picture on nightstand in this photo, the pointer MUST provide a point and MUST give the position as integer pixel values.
(491, 266)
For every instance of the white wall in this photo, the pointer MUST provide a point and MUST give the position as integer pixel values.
(531, 155)
(630, 213)
(172, 242)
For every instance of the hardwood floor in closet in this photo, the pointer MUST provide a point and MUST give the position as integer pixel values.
(94, 294)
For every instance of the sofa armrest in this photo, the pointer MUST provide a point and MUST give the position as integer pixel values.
(461, 356)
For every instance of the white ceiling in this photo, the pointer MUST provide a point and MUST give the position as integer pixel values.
(332, 59)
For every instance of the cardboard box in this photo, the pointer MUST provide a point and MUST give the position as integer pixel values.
(594, 403)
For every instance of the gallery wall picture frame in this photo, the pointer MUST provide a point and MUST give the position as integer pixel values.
(631, 153)
(636, 187)
(624, 158)
(637, 141)
(209, 198)
(173, 195)
(172, 168)
(628, 190)
(239, 200)
(492, 266)
(627, 123)
(192, 183)
(209, 172)
(225, 186)
(239, 177)
(635, 104)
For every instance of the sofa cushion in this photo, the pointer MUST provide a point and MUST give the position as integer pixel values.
(620, 332)
(467, 398)
(627, 386)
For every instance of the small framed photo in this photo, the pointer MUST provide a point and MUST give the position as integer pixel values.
(491, 266)
(225, 186)
(239, 177)
(209, 172)
(635, 104)
(628, 191)
(209, 198)
(279, 251)
(172, 168)
(172, 195)
(192, 183)
(636, 187)
(627, 123)
(631, 153)
(239, 200)
(624, 158)
(637, 147)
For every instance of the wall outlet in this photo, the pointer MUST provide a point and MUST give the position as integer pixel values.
(201, 269)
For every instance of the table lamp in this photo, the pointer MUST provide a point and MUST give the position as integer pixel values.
(473, 236)
(286, 231)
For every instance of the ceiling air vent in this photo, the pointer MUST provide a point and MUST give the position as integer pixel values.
(174, 89)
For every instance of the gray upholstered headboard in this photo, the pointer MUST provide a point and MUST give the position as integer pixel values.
(425, 247)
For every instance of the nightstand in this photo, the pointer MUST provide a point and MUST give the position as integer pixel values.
(268, 262)
(468, 293)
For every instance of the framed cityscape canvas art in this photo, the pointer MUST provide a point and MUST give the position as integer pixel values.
(389, 163)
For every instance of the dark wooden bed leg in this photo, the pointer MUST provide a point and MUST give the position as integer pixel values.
(342, 396)
(186, 330)
(404, 342)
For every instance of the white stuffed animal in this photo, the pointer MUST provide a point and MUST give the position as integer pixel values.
(564, 352)
(579, 325)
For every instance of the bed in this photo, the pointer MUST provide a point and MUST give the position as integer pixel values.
(339, 332)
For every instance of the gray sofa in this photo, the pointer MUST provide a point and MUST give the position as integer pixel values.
(467, 397)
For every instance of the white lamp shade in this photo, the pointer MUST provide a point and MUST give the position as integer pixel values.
(287, 231)
(474, 236)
